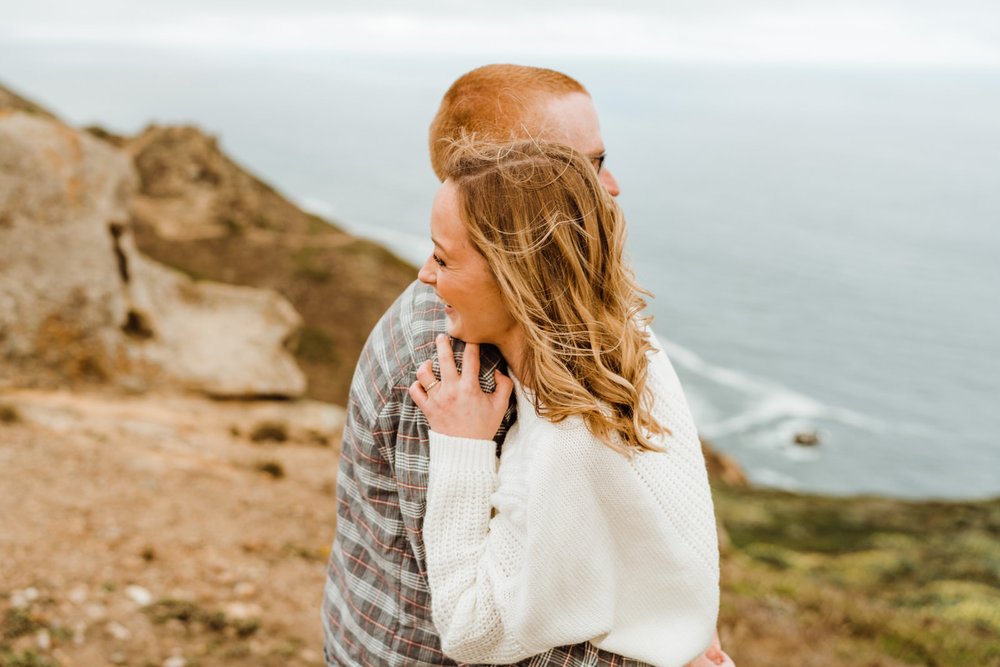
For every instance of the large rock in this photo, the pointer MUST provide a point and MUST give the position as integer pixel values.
(723, 468)
(11, 100)
(78, 302)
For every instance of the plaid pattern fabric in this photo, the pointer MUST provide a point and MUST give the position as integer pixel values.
(376, 603)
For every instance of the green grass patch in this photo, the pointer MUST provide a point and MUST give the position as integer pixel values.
(316, 346)
(192, 614)
(17, 623)
(310, 264)
(25, 659)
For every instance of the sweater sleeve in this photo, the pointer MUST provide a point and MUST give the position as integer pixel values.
(494, 598)
(464, 583)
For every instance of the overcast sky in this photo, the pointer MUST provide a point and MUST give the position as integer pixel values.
(894, 32)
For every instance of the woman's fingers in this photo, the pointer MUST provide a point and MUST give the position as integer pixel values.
(446, 358)
(504, 387)
(425, 374)
(460, 408)
(418, 395)
(470, 364)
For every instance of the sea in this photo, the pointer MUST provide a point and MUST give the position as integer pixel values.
(823, 242)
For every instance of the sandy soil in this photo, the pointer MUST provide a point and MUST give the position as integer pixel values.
(163, 530)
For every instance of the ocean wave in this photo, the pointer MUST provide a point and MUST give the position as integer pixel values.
(770, 404)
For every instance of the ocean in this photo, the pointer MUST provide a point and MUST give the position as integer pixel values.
(823, 243)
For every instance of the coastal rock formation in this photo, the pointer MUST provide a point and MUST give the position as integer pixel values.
(185, 205)
(79, 303)
(723, 468)
(189, 189)
(806, 438)
(11, 101)
(200, 212)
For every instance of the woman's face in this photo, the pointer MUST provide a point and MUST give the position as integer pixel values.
(462, 278)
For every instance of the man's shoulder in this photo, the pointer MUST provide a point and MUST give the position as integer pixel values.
(405, 334)
(418, 310)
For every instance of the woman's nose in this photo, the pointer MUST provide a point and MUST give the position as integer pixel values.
(427, 273)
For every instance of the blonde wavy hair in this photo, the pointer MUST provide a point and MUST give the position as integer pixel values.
(554, 240)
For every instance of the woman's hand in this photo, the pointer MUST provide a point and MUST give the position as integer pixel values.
(456, 405)
(713, 656)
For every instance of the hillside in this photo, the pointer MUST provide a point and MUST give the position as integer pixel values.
(199, 212)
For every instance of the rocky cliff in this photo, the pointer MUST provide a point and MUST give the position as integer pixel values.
(198, 211)
(157, 261)
(79, 303)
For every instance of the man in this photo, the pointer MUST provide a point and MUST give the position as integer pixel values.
(377, 608)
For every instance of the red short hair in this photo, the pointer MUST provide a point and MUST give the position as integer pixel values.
(496, 103)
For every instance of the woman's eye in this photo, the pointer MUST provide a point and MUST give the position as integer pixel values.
(437, 259)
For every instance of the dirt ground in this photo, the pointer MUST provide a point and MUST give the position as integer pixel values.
(177, 531)
(163, 530)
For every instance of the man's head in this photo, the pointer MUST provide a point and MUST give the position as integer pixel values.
(501, 103)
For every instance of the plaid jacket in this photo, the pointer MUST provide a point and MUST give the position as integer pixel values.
(376, 603)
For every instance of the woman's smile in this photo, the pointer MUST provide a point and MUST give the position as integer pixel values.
(462, 279)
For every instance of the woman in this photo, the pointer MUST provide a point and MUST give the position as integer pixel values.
(597, 525)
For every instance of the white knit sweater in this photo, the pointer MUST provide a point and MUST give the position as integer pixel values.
(569, 541)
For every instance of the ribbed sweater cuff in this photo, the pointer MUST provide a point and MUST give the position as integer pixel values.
(453, 453)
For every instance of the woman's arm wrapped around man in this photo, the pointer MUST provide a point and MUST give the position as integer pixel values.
(620, 551)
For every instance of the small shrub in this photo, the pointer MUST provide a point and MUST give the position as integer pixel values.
(317, 225)
(9, 414)
(316, 346)
(316, 438)
(269, 432)
(16, 623)
(26, 659)
(305, 553)
(170, 609)
(232, 226)
(310, 265)
(190, 613)
(769, 554)
(245, 627)
(270, 467)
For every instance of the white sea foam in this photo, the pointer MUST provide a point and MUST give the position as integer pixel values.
(770, 404)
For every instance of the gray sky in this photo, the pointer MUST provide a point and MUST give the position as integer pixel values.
(895, 32)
